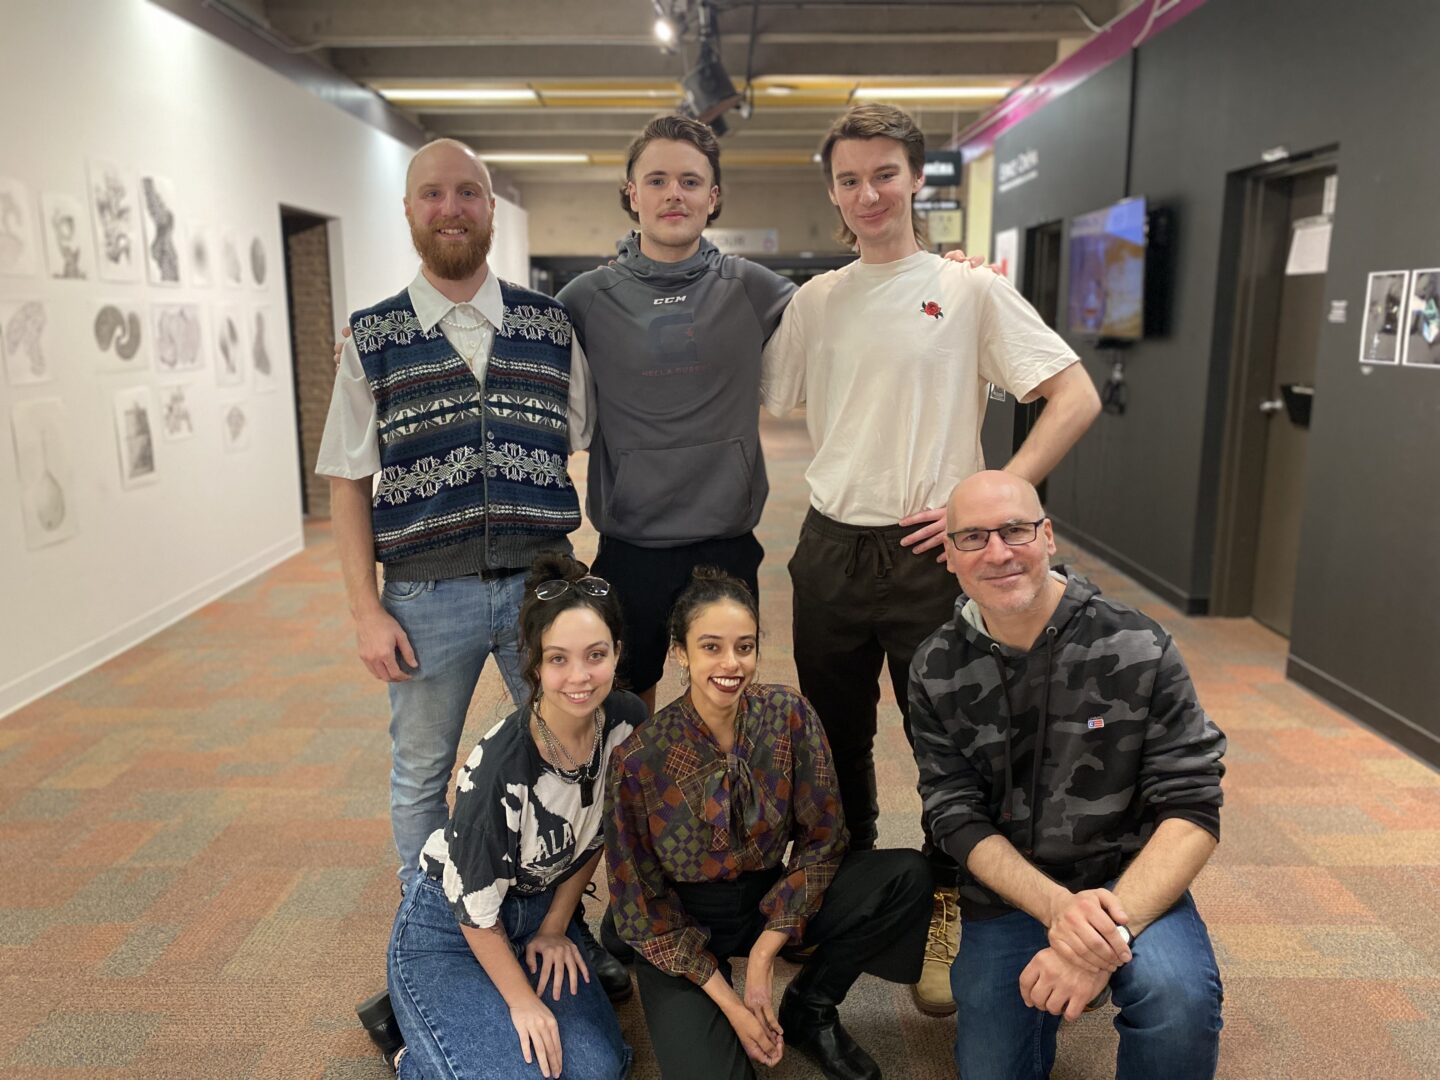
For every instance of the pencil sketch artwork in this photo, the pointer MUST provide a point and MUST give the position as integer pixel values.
(230, 352)
(177, 420)
(17, 229)
(135, 435)
(234, 426)
(202, 255)
(262, 355)
(63, 220)
(118, 329)
(230, 260)
(42, 462)
(258, 262)
(24, 333)
(162, 231)
(116, 217)
(177, 341)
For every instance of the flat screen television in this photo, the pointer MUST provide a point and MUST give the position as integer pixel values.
(1107, 272)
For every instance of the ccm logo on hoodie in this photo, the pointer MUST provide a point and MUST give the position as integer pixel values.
(668, 300)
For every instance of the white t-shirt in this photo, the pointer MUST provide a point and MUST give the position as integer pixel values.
(892, 362)
(350, 447)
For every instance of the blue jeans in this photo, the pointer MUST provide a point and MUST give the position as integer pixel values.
(453, 625)
(1169, 998)
(456, 1024)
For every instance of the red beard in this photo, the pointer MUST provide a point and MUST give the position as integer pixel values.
(449, 261)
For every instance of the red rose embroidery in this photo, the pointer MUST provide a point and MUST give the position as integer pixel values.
(931, 308)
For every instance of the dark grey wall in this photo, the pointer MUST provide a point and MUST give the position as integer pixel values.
(1227, 83)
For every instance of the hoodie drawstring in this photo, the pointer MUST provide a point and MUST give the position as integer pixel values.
(1006, 812)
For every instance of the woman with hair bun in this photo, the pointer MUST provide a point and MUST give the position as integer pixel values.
(704, 799)
(487, 972)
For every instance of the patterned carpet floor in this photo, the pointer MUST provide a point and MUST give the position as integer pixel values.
(199, 880)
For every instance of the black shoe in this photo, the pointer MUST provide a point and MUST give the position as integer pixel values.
(810, 1019)
(614, 979)
(614, 944)
(379, 1020)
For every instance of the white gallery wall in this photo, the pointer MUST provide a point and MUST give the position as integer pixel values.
(135, 488)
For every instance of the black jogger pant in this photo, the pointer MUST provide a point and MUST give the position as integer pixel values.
(874, 921)
(860, 600)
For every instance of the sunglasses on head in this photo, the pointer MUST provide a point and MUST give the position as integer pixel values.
(590, 585)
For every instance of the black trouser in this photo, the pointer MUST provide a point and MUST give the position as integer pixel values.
(862, 600)
(874, 920)
(648, 580)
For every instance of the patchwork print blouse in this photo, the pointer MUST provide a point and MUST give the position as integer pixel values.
(680, 809)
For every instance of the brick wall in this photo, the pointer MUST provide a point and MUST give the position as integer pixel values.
(313, 326)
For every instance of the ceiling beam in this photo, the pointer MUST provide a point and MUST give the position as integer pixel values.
(1006, 59)
(554, 124)
(375, 23)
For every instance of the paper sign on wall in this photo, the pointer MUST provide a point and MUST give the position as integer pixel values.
(1007, 249)
(1309, 247)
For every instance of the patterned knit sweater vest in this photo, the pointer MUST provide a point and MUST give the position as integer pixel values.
(471, 478)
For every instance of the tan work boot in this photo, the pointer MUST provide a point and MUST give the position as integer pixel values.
(932, 993)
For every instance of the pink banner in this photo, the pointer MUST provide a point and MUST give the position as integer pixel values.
(1118, 37)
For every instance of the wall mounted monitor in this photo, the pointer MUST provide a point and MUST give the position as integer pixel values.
(1107, 273)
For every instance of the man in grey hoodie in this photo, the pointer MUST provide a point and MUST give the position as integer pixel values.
(673, 331)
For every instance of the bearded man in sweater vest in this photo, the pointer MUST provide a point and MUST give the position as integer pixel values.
(458, 392)
(1066, 764)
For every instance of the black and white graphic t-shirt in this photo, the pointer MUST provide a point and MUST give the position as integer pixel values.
(516, 823)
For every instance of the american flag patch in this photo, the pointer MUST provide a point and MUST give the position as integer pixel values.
(1095, 722)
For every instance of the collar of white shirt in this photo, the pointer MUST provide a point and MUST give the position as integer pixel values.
(430, 306)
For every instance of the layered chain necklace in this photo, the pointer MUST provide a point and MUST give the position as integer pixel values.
(584, 775)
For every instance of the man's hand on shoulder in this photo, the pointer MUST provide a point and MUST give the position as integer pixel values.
(340, 344)
(1052, 985)
(383, 644)
(957, 255)
(930, 535)
(1083, 930)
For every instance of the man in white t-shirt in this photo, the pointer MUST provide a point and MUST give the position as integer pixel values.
(891, 356)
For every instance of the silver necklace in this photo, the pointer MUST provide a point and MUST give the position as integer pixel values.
(585, 775)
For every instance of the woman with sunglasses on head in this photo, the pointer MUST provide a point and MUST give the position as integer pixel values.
(486, 968)
(703, 801)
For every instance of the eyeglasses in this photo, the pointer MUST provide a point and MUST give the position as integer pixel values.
(556, 587)
(1015, 534)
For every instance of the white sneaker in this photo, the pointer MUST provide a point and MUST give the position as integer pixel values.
(932, 993)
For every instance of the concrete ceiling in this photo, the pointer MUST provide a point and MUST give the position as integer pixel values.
(590, 72)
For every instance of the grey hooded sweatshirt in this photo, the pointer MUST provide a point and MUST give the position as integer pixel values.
(674, 353)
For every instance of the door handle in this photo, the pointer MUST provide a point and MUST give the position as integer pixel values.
(1272, 406)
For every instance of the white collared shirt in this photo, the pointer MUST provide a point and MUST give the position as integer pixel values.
(350, 447)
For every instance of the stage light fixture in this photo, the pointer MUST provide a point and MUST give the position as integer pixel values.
(709, 90)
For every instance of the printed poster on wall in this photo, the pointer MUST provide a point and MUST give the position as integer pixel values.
(1422, 321)
(1007, 250)
(42, 461)
(1380, 330)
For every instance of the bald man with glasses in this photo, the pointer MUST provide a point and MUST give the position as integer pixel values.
(1067, 766)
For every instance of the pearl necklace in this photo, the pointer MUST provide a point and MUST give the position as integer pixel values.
(463, 330)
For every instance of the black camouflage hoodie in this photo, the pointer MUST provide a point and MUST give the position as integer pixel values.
(1124, 743)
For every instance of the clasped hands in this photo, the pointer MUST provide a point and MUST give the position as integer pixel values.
(1085, 949)
(757, 1025)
